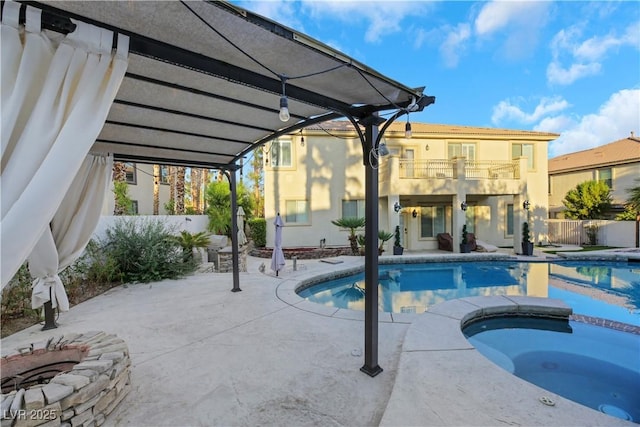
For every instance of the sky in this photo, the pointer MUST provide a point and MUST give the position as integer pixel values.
(569, 67)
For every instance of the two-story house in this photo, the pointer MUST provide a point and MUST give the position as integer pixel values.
(616, 163)
(442, 176)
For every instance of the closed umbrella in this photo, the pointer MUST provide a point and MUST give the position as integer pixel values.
(242, 238)
(277, 258)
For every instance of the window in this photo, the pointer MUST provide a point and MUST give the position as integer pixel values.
(164, 174)
(509, 220)
(297, 212)
(130, 173)
(432, 221)
(523, 150)
(281, 153)
(134, 207)
(467, 150)
(353, 209)
(606, 176)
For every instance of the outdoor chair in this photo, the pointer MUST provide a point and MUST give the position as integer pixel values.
(445, 242)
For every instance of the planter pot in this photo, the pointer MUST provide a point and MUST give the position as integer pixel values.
(398, 250)
(527, 248)
(465, 248)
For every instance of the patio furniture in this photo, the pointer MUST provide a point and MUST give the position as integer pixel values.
(471, 240)
(445, 242)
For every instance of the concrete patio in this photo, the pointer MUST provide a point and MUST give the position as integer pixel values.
(202, 355)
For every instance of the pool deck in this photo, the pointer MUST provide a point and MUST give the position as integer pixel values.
(202, 355)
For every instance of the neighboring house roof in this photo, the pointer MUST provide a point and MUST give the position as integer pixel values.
(443, 130)
(623, 151)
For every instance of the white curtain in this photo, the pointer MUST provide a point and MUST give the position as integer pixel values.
(69, 232)
(55, 99)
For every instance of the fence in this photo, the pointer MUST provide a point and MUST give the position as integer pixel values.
(576, 232)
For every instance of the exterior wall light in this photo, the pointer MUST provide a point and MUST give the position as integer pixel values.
(526, 205)
(463, 206)
(397, 207)
(414, 213)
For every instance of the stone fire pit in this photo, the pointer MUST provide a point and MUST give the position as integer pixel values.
(74, 379)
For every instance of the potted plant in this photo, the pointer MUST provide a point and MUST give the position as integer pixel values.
(465, 247)
(383, 236)
(352, 223)
(397, 247)
(527, 244)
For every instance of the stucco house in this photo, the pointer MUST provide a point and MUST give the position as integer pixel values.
(442, 176)
(616, 163)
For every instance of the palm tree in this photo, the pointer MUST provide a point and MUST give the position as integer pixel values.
(352, 223)
(195, 189)
(188, 241)
(121, 206)
(383, 236)
(179, 205)
(156, 189)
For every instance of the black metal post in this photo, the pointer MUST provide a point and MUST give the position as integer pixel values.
(371, 366)
(234, 232)
(49, 314)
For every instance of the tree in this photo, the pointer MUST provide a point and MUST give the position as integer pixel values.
(632, 206)
(352, 223)
(179, 201)
(120, 189)
(589, 200)
(256, 178)
(219, 205)
(156, 189)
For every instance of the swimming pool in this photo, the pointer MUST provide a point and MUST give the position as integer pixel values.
(603, 289)
(594, 366)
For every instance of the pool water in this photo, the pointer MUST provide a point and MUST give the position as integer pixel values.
(602, 289)
(591, 365)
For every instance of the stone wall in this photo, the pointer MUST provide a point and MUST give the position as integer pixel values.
(303, 253)
(82, 396)
(225, 262)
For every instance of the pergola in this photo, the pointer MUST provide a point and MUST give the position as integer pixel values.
(204, 85)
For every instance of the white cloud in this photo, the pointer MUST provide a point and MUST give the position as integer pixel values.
(382, 18)
(520, 21)
(615, 119)
(508, 111)
(584, 58)
(565, 76)
(282, 11)
(453, 44)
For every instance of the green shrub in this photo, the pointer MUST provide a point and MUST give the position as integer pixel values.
(145, 251)
(16, 297)
(258, 231)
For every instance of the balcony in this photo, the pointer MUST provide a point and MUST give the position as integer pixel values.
(455, 176)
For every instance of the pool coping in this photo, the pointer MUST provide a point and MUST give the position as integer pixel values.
(439, 369)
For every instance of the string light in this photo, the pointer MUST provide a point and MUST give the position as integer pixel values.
(284, 103)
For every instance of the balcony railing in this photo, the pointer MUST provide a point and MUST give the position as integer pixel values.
(427, 169)
(442, 169)
(491, 169)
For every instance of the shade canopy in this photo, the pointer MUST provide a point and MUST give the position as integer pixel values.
(205, 79)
